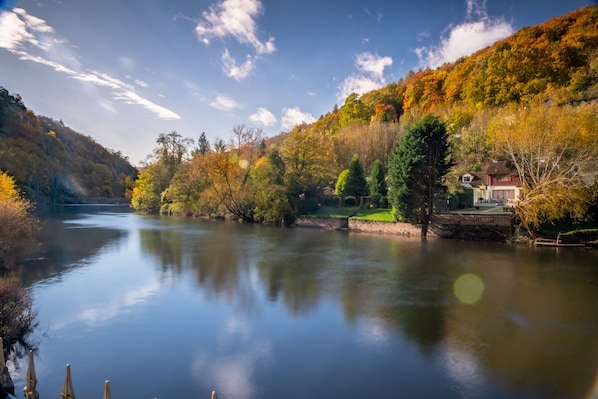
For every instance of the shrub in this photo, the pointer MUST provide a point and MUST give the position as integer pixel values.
(17, 318)
(17, 226)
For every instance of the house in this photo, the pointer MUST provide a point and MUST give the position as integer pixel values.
(499, 184)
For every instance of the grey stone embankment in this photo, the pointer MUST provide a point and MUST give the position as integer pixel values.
(495, 227)
(404, 229)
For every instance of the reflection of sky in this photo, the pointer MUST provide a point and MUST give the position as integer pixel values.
(462, 367)
(100, 313)
(372, 331)
(231, 372)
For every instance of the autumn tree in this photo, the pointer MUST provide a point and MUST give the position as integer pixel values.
(416, 168)
(272, 202)
(307, 155)
(156, 176)
(228, 172)
(553, 149)
(17, 225)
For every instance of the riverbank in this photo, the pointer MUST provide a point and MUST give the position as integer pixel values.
(475, 227)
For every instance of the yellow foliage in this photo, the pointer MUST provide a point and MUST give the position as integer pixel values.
(554, 149)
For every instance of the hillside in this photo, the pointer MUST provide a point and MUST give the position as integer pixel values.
(53, 164)
(529, 99)
(552, 63)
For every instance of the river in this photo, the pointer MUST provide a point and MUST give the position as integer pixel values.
(167, 307)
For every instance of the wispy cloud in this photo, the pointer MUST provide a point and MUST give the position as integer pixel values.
(235, 19)
(263, 117)
(369, 75)
(294, 116)
(224, 103)
(232, 70)
(32, 39)
(478, 31)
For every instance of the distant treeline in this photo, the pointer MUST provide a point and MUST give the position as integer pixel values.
(53, 164)
(529, 99)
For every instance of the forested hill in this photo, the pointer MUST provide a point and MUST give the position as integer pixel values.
(552, 63)
(53, 164)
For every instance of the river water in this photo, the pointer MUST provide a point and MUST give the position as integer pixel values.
(175, 308)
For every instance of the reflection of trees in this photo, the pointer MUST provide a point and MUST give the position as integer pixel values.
(290, 265)
(212, 253)
(63, 246)
(537, 330)
(532, 330)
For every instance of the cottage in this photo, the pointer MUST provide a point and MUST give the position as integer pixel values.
(498, 185)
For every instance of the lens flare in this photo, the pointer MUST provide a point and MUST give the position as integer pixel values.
(468, 288)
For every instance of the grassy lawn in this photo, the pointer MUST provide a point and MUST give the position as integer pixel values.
(375, 215)
(333, 212)
(354, 212)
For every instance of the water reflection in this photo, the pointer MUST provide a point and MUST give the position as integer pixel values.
(268, 310)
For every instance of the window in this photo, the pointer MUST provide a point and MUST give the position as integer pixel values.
(503, 177)
(466, 178)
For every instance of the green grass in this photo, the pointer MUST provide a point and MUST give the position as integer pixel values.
(375, 215)
(333, 212)
(354, 212)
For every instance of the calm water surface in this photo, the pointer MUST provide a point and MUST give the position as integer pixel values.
(175, 308)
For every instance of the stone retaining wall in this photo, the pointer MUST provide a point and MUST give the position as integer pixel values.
(404, 229)
(493, 227)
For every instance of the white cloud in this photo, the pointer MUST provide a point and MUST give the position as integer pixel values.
(224, 103)
(28, 36)
(466, 38)
(141, 83)
(13, 32)
(130, 97)
(294, 116)
(263, 117)
(370, 75)
(373, 64)
(236, 19)
(232, 70)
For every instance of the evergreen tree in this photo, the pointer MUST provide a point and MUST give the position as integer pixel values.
(416, 168)
(377, 183)
(355, 185)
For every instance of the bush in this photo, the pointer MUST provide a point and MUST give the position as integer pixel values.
(17, 226)
(17, 318)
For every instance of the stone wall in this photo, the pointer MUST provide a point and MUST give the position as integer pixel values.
(474, 226)
(404, 229)
(323, 223)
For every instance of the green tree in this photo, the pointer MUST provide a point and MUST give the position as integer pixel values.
(377, 183)
(154, 178)
(416, 168)
(203, 145)
(356, 184)
(341, 182)
(272, 204)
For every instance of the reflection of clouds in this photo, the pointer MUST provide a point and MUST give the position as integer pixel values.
(462, 366)
(230, 375)
(372, 331)
(237, 325)
(100, 313)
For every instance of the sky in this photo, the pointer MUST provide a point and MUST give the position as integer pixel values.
(125, 71)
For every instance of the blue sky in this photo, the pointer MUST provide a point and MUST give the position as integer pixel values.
(124, 71)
